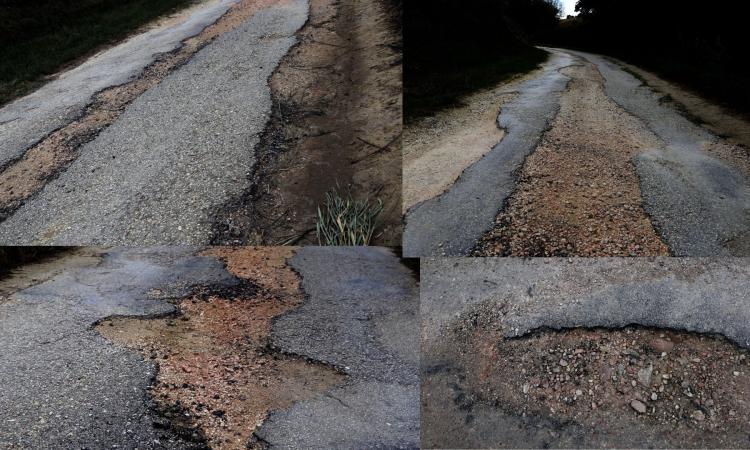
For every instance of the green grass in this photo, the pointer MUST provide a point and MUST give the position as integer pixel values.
(39, 38)
(346, 221)
(429, 87)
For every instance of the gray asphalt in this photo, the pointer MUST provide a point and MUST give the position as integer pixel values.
(65, 386)
(360, 316)
(27, 120)
(451, 223)
(699, 204)
(178, 152)
(710, 295)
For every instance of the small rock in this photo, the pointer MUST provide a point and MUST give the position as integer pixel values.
(698, 415)
(644, 375)
(563, 363)
(654, 397)
(525, 388)
(661, 345)
(638, 406)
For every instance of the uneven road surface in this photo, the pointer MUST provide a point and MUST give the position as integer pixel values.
(694, 186)
(68, 386)
(176, 153)
(548, 353)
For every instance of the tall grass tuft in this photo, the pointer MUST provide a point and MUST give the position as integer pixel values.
(346, 221)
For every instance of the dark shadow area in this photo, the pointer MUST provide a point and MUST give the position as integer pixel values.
(453, 48)
(702, 46)
(39, 38)
(12, 257)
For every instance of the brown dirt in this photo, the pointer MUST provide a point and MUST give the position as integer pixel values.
(698, 388)
(214, 362)
(337, 118)
(42, 162)
(578, 192)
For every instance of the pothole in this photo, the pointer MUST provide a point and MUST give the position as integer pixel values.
(684, 387)
(216, 368)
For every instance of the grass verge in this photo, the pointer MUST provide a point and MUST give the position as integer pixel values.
(430, 87)
(39, 38)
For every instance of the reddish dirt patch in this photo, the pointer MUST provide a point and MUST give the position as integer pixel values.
(687, 387)
(578, 192)
(214, 362)
(40, 163)
(336, 119)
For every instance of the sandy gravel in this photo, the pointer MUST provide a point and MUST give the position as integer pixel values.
(437, 149)
(215, 371)
(578, 192)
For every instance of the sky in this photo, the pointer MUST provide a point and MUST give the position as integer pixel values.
(568, 7)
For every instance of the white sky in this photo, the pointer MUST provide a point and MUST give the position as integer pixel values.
(569, 7)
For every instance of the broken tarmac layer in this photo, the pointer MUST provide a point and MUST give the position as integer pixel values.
(177, 151)
(683, 186)
(205, 334)
(606, 353)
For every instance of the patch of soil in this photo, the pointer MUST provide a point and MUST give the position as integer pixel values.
(336, 119)
(677, 388)
(27, 175)
(686, 389)
(215, 361)
(578, 193)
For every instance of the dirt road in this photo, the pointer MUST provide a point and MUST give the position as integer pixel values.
(176, 347)
(592, 162)
(588, 353)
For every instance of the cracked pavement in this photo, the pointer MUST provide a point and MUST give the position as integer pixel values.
(693, 183)
(502, 299)
(73, 388)
(176, 154)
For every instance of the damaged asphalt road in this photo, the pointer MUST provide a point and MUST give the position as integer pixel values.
(694, 185)
(450, 223)
(74, 388)
(177, 152)
(359, 316)
(65, 386)
(486, 303)
(28, 119)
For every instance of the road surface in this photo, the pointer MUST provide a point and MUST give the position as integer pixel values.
(176, 154)
(551, 353)
(694, 188)
(68, 386)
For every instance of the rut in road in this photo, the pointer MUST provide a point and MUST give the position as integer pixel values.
(578, 192)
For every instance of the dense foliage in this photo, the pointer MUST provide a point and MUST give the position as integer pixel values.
(703, 45)
(453, 48)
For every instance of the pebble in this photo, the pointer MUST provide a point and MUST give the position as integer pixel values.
(654, 397)
(661, 345)
(563, 363)
(698, 415)
(644, 375)
(638, 406)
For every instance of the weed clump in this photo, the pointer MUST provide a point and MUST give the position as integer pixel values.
(346, 221)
